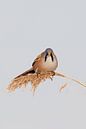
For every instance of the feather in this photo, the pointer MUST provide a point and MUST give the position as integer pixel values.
(26, 72)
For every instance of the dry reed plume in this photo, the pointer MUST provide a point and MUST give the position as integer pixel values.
(36, 79)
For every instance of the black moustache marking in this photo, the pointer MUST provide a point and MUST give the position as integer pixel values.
(46, 56)
(52, 57)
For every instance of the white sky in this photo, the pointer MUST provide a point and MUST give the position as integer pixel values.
(26, 29)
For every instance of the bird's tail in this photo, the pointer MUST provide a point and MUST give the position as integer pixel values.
(26, 72)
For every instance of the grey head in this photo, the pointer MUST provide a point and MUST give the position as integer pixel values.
(48, 50)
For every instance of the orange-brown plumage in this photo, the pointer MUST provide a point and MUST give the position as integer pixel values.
(44, 62)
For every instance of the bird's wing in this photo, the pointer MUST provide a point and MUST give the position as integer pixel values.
(26, 73)
(37, 59)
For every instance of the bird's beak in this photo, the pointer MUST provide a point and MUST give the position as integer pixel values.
(49, 54)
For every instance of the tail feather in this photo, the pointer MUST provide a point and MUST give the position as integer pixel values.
(26, 72)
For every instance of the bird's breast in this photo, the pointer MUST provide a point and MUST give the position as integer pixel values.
(45, 66)
(50, 65)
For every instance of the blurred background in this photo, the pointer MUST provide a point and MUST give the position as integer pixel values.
(26, 29)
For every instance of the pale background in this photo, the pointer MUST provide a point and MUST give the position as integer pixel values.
(27, 28)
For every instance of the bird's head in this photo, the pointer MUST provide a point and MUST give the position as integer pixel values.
(49, 52)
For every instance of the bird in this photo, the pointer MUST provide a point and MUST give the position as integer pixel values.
(44, 62)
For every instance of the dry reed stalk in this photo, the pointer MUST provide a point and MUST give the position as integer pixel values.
(36, 79)
(70, 78)
(63, 86)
